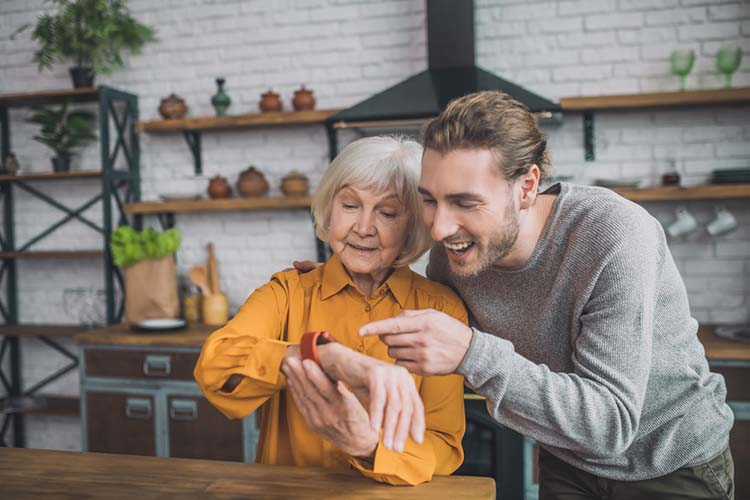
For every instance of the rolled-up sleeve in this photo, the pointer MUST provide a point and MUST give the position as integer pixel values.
(249, 345)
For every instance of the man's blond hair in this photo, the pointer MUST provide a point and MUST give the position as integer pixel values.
(495, 121)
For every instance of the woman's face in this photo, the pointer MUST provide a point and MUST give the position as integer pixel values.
(367, 230)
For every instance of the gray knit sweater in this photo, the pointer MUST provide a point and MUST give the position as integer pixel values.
(589, 347)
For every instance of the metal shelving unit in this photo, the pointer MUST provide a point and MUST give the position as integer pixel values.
(117, 116)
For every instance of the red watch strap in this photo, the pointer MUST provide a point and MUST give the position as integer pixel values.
(309, 343)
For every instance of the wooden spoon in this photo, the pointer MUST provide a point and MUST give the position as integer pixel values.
(199, 276)
(213, 270)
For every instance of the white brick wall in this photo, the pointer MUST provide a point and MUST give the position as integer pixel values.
(345, 50)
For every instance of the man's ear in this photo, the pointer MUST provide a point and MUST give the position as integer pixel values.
(529, 185)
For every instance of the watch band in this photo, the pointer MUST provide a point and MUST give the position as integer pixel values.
(309, 343)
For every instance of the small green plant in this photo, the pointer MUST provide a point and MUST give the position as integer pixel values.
(128, 246)
(64, 130)
(93, 33)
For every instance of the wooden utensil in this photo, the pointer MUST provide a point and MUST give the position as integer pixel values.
(199, 276)
(213, 270)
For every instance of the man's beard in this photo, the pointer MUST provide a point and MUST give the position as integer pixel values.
(499, 243)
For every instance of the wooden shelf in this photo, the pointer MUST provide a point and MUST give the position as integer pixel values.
(42, 405)
(219, 205)
(675, 193)
(52, 254)
(41, 330)
(657, 99)
(87, 94)
(237, 121)
(50, 176)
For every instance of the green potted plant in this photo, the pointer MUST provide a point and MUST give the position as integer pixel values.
(63, 131)
(92, 33)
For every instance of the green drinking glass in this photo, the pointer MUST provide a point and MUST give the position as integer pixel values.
(682, 64)
(728, 60)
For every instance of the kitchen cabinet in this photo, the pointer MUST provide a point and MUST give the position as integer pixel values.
(138, 397)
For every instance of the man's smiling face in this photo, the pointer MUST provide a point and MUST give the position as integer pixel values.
(469, 208)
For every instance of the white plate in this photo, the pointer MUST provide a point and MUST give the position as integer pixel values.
(156, 324)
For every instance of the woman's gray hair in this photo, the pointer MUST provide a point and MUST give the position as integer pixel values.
(377, 163)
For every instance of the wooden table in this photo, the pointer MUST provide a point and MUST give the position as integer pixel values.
(121, 334)
(27, 474)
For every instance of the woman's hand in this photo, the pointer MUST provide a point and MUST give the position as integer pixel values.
(387, 390)
(330, 409)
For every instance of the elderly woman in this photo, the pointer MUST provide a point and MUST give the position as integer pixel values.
(369, 211)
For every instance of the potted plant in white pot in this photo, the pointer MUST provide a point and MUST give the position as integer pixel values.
(91, 33)
(63, 131)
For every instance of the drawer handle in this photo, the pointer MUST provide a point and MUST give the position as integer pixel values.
(138, 408)
(183, 409)
(157, 366)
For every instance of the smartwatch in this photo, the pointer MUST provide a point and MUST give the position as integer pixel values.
(309, 343)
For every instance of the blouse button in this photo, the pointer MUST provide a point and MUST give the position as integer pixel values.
(361, 348)
(262, 371)
(368, 308)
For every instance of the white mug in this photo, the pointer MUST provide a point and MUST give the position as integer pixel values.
(684, 223)
(723, 223)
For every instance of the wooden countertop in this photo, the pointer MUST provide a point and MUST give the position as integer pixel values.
(43, 474)
(195, 334)
(718, 348)
(121, 334)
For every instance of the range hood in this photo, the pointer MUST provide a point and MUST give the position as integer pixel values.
(451, 73)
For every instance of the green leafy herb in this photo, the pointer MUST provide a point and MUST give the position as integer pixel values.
(128, 246)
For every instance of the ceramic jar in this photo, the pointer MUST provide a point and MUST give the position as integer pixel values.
(295, 184)
(173, 107)
(303, 99)
(252, 182)
(270, 101)
(219, 187)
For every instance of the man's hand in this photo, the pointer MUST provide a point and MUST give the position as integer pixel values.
(426, 342)
(387, 390)
(330, 409)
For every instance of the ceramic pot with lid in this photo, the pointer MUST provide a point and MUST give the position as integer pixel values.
(270, 101)
(173, 107)
(295, 184)
(303, 99)
(252, 182)
(218, 187)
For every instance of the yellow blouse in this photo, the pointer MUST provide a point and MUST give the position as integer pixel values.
(276, 315)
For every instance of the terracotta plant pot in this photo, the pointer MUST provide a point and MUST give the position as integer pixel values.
(173, 107)
(218, 187)
(252, 182)
(270, 101)
(303, 99)
(295, 184)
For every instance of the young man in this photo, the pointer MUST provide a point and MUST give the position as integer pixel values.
(582, 337)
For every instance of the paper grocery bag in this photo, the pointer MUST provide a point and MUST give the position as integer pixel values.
(151, 290)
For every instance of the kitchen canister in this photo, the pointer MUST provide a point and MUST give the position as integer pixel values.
(215, 309)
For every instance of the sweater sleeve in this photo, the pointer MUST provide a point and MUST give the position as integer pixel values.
(440, 452)
(594, 410)
(249, 345)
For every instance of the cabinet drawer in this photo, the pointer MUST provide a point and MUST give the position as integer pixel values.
(120, 423)
(198, 430)
(140, 364)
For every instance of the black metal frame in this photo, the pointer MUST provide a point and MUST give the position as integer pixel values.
(118, 110)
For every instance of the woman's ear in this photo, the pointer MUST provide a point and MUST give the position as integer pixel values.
(529, 186)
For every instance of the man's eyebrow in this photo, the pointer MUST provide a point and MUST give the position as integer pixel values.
(453, 196)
